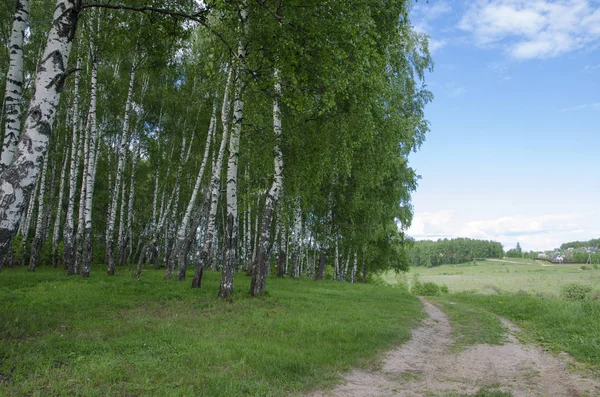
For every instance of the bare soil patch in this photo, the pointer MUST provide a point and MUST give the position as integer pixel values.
(425, 366)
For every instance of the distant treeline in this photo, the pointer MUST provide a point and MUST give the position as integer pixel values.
(581, 244)
(457, 250)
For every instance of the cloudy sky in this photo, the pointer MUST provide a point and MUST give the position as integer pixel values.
(514, 149)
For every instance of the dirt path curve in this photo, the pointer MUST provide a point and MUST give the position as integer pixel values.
(424, 366)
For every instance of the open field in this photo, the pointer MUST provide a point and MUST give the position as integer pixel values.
(121, 336)
(510, 275)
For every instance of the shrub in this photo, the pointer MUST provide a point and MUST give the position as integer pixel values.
(584, 267)
(575, 292)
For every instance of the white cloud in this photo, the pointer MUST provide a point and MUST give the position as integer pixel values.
(539, 232)
(534, 29)
(593, 106)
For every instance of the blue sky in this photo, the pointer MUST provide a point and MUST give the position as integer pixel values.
(513, 154)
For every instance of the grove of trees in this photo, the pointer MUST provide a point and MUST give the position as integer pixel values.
(217, 134)
(457, 250)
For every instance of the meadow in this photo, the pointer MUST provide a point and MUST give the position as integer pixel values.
(502, 276)
(529, 293)
(64, 335)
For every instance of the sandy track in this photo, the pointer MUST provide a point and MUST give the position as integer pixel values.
(424, 366)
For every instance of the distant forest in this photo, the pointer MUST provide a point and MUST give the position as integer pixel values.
(457, 250)
(581, 244)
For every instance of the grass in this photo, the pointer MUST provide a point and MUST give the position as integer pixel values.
(573, 327)
(510, 275)
(471, 325)
(64, 335)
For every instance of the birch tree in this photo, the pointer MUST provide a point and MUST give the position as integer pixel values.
(257, 286)
(112, 215)
(215, 184)
(17, 181)
(180, 251)
(14, 84)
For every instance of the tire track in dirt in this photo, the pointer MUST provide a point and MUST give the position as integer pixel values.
(425, 366)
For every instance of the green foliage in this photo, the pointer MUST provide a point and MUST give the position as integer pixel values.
(575, 292)
(581, 244)
(46, 256)
(434, 253)
(17, 248)
(123, 336)
(427, 288)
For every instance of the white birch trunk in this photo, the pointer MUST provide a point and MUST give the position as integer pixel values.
(58, 220)
(230, 243)
(261, 265)
(169, 258)
(129, 227)
(17, 181)
(354, 269)
(76, 146)
(344, 274)
(122, 212)
(81, 213)
(14, 84)
(90, 172)
(215, 185)
(110, 226)
(37, 238)
(180, 251)
(27, 220)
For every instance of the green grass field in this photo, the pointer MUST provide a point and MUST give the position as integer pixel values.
(510, 275)
(121, 336)
(525, 292)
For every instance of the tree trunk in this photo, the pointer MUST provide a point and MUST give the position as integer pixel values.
(321, 270)
(230, 243)
(76, 145)
(257, 286)
(90, 172)
(27, 221)
(182, 250)
(110, 226)
(14, 84)
(207, 245)
(59, 207)
(37, 238)
(18, 180)
(129, 226)
(169, 257)
(282, 257)
(354, 268)
(295, 271)
(122, 211)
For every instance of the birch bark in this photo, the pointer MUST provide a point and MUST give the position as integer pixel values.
(110, 226)
(90, 172)
(257, 286)
(180, 251)
(14, 84)
(18, 180)
(76, 146)
(215, 184)
(59, 208)
(230, 245)
(37, 239)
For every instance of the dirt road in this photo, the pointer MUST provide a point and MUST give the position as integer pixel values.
(425, 366)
